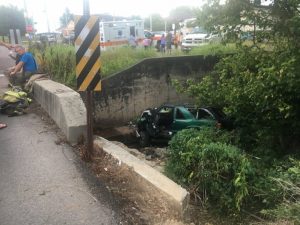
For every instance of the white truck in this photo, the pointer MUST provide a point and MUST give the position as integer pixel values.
(117, 33)
(196, 38)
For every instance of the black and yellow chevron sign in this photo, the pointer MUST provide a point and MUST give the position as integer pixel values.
(87, 48)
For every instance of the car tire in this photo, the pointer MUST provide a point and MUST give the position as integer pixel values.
(144, 139)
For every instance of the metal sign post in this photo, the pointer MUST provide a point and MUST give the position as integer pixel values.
(88, 65)
(15, 36)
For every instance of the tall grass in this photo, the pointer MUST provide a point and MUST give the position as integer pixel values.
(214, 49)
(117, 59)
(59, 60)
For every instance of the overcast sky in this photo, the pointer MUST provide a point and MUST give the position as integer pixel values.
(55, 8)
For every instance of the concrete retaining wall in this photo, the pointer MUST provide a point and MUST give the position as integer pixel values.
(176, 196)
(64, 106)
(147, 84)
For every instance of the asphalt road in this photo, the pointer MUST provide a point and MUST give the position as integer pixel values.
(5, 61)
(43, 181)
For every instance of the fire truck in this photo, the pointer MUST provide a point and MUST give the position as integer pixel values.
(117, 33)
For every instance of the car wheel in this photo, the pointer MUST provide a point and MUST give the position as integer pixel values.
(144, 139)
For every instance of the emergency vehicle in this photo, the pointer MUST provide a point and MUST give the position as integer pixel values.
(117, 33)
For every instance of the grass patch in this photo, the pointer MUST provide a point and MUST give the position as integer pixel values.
(214, 49)
(118, 59)
(59, 60)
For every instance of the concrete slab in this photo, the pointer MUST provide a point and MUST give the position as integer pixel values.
(64, 106)
(174, 191)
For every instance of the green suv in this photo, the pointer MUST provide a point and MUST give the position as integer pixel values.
(165, 121)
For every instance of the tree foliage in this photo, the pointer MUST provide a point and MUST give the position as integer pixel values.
(179, 14)
(259, 85)
(11, 18)
(158, 23)
(66, 17)
(276, 20)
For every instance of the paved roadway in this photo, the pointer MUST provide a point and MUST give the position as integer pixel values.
(5, 61)
(42, 182)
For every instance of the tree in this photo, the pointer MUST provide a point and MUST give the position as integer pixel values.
(260, 84)
(66, 17)
(278, 19)
(158, 23)
(179, 14)
(11, 18)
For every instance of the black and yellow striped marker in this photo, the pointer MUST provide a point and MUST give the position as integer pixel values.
(87, 49)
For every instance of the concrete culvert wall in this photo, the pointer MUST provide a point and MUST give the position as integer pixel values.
(147, 84)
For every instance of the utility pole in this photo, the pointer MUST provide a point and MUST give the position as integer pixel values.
(47, 19)
(89, 102)
(150, 22)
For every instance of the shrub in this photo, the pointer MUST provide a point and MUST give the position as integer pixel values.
(260, 89)
(286, 186)
(214, 171)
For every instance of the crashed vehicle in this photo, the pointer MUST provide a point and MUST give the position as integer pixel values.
(214, 115)
(165, 121)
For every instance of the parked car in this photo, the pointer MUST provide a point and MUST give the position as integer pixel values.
(148, 34)
(165, 121)
(213, 114)
(49, 37)
(196, 38)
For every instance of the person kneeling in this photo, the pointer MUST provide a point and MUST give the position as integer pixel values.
(27, 65)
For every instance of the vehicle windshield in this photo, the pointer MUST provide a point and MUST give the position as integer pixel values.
(199, 30)
(187, 113)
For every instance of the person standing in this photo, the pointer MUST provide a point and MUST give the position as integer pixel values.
(169, 42)
(146, 43)
(176, 40)
(163, 43)
(25, 67)
(132, 42)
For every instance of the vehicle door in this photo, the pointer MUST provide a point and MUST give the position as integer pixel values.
(206, 117)
(182, 119)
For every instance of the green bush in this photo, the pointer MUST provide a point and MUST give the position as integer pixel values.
(210, 167)
(221, 176)
(282, 197)
(260, 89)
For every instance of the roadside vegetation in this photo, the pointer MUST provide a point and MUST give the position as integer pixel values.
(255, 169)
(59, 60)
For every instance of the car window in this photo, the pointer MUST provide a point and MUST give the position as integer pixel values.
(193, 111)
(179, 114)
(165, 110)
(165, 117)
(202, 114)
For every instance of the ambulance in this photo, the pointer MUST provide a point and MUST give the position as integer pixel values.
(117, 33)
